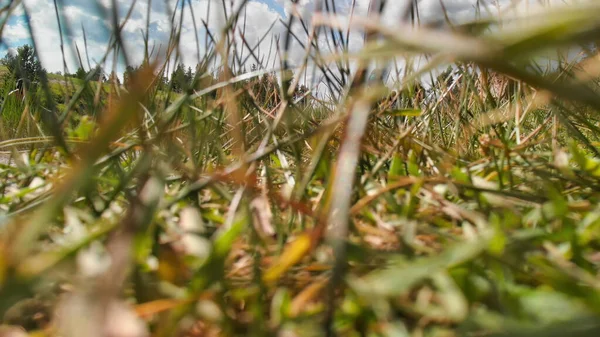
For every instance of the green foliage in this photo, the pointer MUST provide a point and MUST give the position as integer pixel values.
(127, 75)
(461, 202)
(81, 73)
(24, 66)
(181, 79)
(96, 74)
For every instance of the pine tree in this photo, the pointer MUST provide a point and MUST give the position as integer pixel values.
(189, 75)
(81, 73)
(178, 78)
(127, 74)
(24, 66)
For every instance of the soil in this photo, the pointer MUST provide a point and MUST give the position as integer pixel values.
(4, 158)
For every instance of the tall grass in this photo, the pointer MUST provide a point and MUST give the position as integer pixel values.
(439, 179)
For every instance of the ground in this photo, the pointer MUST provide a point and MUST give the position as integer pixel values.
(4, 158)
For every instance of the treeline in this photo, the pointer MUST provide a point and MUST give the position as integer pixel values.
(24, 67)
(263, 91)
(96, 74)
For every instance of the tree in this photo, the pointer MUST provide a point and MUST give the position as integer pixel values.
(80, 73)
(97, 74)
(189, 75)
(127, 75)
(163, 83)
(24, 66)
(178, 78)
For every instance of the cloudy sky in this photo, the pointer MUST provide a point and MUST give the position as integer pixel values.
(93, 17)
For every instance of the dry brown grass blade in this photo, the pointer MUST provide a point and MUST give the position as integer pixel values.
(292, 254)
(306, 296)
(148, 309)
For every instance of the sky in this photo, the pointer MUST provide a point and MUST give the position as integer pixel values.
(94, 18)
(85, 19)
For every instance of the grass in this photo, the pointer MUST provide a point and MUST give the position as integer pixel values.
(461, 203)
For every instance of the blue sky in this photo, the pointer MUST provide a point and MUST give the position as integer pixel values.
(88, 15)
(276, 6)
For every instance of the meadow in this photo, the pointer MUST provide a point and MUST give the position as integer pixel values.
(438, 178)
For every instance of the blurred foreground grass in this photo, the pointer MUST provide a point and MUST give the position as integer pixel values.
(462, 203)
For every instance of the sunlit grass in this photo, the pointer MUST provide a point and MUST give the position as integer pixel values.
(245, 200)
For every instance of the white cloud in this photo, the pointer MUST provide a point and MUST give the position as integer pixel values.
(15, 33)
(95, 18)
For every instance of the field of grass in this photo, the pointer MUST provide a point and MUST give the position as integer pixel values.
(457, 202)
